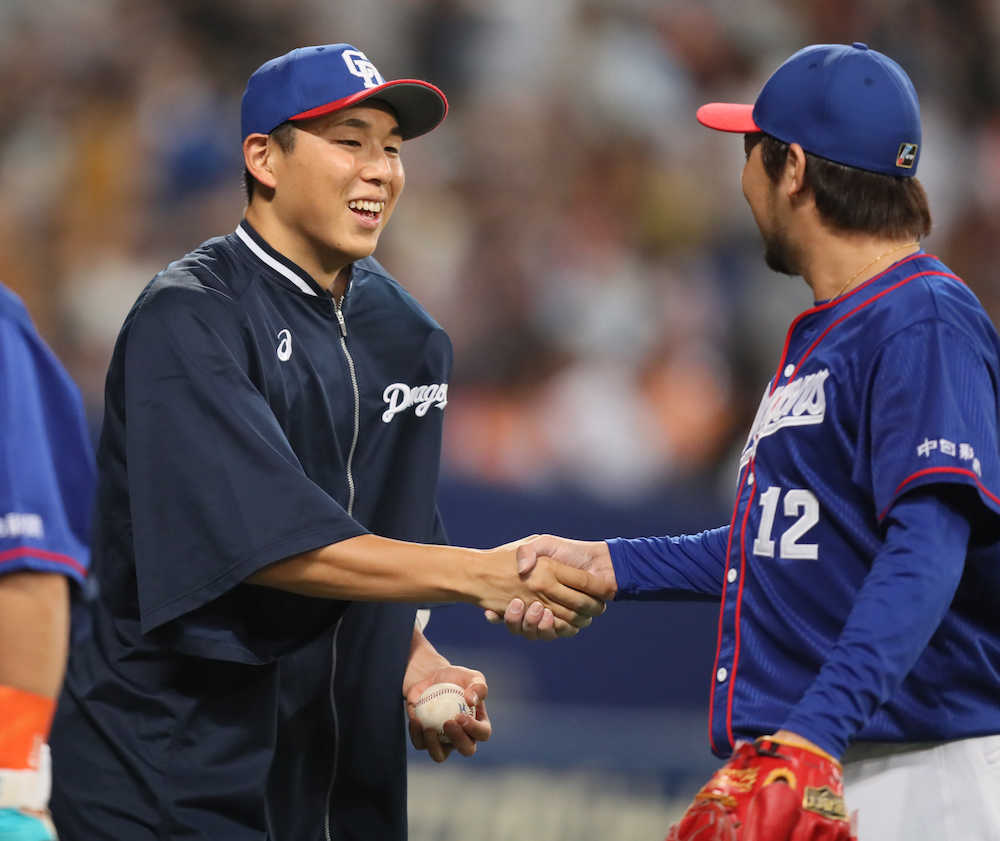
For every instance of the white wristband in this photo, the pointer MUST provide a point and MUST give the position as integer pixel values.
(30, 788)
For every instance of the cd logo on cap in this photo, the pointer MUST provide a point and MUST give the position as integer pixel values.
(359, 65)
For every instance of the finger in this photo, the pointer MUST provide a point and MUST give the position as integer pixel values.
(571, 605)
(529, 625)
(573, 593)
(582, 580)
(432, 742)
(476, 693)
(513, 615)
(546, 627)
(460, 739)
(526, 556)
(533, 615)
(492, 617)
(564, 630)
(476, 729)
(417, 735)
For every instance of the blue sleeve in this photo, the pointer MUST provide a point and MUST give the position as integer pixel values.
(215, 490)
(46, 464)
(670, 568)
(900, 605)
(931, 416)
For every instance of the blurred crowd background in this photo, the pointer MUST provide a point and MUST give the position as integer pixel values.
(583, 240)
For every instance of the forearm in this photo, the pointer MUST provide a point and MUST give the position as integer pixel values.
(424, 660)
(670, 567)
(901, 603)
(34, 631)
(371, 568)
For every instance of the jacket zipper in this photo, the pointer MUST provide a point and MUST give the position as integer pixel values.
(357, 405)
(338, 304)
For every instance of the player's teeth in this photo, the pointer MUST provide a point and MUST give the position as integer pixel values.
(370, 206)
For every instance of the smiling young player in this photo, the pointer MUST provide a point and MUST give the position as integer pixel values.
(267, 475)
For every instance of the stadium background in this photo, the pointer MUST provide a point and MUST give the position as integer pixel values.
(584, 242)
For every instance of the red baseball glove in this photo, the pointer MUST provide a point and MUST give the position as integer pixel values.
(769, 791)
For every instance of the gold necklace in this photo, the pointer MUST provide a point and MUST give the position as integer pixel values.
(868, 265)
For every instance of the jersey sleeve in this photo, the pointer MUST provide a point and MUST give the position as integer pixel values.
(215, 489)
(931, 417)
(900, 605)
(46, 464)
(670, 568)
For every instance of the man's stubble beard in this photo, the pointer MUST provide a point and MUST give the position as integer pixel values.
(778, 254)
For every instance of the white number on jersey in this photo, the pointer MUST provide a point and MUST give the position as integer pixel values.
(798, 502)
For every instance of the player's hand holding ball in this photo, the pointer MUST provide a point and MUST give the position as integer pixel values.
(769, 791)
(441, 702)
(447, 711)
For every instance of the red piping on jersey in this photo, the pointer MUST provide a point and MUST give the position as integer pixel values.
(722, 604)
(928, 470)
(736, 619)
(834, 301)
(42, 555)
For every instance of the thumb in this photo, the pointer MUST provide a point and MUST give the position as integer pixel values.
(526, 555)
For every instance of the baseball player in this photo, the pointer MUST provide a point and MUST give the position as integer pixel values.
(267, 476)
(46, 490)
(859, 638)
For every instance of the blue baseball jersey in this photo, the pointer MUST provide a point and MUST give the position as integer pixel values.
(249, 418)
(46, 465)
(886, 395)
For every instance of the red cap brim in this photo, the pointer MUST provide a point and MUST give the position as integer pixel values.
(727, 116)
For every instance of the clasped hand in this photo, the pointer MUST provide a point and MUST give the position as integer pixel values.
(584, 579)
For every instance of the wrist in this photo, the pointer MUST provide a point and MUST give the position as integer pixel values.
(424, 660)
(787, 737)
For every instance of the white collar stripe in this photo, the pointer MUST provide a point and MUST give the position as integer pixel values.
(264, 257)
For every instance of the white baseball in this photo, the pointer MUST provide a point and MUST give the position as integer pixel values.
(440, 703)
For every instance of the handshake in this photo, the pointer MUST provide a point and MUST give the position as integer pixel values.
(561, 586)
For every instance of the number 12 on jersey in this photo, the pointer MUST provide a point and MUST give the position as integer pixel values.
(798, 503)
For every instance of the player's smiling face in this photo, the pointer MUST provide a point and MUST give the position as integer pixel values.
(338, 184)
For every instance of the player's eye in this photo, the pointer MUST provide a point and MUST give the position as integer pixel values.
(344, 141)
(392, 150)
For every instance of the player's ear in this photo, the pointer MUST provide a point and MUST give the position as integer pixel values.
(795, 169)
(257, 152)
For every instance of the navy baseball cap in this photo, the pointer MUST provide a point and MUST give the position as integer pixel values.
(848, 104)
(311, 81)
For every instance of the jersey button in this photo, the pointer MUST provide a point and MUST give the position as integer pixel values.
(750, 479)
(731, 575)
(721, 675)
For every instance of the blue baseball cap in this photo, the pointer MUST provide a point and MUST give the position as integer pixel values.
(311, 81)
(848, 104)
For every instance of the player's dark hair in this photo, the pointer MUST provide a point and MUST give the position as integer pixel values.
(851, 199)
(284, 136)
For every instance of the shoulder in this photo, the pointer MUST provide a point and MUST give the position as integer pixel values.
(16, 326)
(12, 309)
(207, 283)
(927, 292)
(22, 344)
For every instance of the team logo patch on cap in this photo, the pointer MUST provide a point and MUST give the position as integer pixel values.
(359, 65)
(907, 155)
